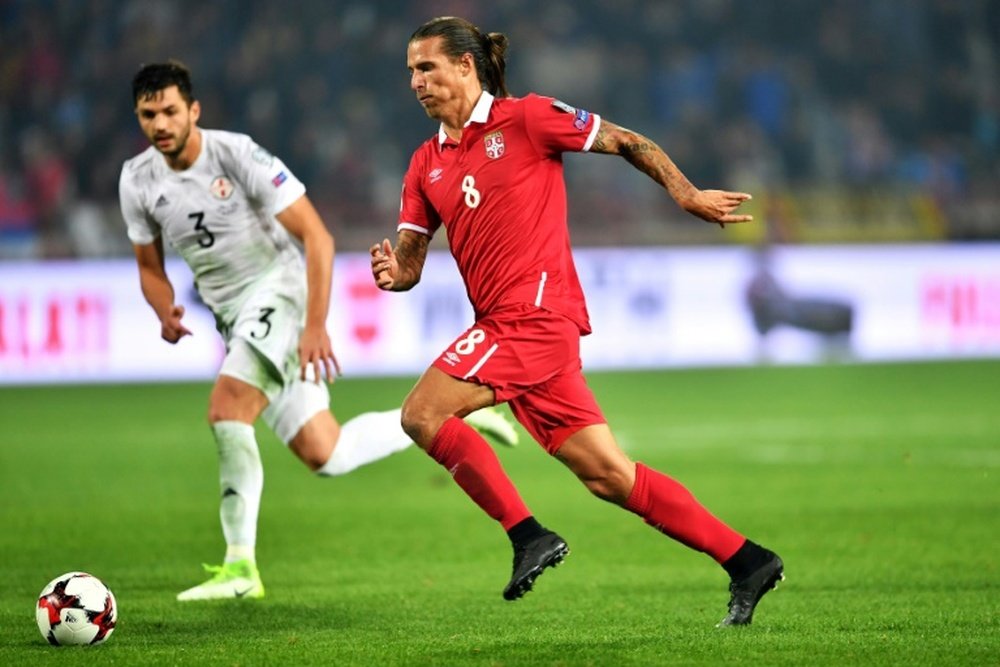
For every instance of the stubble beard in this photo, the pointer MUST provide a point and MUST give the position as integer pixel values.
(181, 143)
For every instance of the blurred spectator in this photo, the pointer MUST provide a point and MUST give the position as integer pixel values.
(48, 177)
(783, 97)
(19, 237)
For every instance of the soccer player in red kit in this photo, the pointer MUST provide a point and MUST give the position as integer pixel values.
(493, 176)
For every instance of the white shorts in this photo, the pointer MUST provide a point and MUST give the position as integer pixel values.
(262, 350)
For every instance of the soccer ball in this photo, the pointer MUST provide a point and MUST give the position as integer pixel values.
(76, 609)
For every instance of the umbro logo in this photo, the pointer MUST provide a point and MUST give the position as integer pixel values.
(435, 175)
(162, 201)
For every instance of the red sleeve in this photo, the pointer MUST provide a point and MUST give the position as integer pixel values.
(556, 127)
(415, 211)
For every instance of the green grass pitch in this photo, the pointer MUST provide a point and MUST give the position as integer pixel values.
(878, 484)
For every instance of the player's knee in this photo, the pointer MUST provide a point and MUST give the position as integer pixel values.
(611, 485)
(310, 450)
(313, 449)
(313, 458)
(421, 421)
(215, 415)
(414, 420)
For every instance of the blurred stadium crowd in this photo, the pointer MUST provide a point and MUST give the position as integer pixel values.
(870, 119)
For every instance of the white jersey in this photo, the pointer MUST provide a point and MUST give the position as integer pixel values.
(218, 214)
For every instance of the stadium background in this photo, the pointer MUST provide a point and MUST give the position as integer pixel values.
(865, 125)
(849, 120)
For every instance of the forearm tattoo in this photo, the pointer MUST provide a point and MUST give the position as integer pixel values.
(644, 155)
(411, 252)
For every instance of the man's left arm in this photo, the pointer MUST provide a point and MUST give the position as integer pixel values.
(643, 154)
(302, 220)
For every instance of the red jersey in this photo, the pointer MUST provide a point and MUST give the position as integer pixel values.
(501, 196)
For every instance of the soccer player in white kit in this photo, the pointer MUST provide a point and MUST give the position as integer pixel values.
(232, 210)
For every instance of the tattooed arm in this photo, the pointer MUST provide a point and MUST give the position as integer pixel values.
(650, 159)
(398, 270)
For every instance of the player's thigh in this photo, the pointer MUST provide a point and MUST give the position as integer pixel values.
(300, 416)
(436, 397)
(447, 394)
(270, 323)
(593, 454)
(233, 399)
(559, 407)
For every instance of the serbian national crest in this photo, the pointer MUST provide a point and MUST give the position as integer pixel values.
(494, 145)
(221, 187)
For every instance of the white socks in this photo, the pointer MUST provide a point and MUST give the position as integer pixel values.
(368, 437)
(241, 480)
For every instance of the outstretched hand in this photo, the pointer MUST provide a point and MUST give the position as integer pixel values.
(717, 206)
(171, 328)
(385, 267)
(316, 350)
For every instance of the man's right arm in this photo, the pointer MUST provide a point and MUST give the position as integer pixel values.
(643, 154)
(399, 269)
(158, 290)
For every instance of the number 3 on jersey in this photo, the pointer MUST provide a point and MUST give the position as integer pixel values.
(472, 195)
(206, 239)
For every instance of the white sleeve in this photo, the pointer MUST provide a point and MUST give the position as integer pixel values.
(266, 178)
(141, 228)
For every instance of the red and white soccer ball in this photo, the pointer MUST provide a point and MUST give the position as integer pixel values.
(76, 609)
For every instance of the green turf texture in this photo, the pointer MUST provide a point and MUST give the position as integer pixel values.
(878, 484)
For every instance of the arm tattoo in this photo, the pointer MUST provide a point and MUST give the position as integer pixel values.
(600, 141)
(644, 155)
(411, 252)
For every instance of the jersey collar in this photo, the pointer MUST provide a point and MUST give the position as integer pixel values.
(480, 114)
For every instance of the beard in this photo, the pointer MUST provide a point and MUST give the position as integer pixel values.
(180, 142)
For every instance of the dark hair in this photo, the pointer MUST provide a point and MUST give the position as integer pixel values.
(152, 78)
(460, 37)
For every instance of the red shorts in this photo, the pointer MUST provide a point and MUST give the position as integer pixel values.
(531, 359)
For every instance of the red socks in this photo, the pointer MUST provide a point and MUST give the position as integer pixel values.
(670, 508)
(476, 468)
(661, 501)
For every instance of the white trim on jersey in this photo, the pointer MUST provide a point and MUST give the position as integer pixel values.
(593, 133)
(541, 288)
(413, 228)
(480, 114)
(483, 360)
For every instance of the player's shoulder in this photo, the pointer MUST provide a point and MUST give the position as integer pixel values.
(544, 107)
(226, 137)
(510, 105)
(139, 162)
(140, 169)
(237, 147)
(538, 102)
(225, 142)
(531, 105)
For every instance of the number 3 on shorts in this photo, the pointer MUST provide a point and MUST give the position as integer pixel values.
(468, 344)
